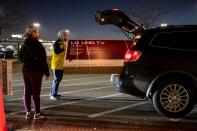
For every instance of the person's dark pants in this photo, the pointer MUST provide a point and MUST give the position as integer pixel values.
(57, 74)
(32, 87)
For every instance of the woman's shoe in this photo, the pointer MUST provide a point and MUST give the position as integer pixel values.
(29, 115)
(39, 116)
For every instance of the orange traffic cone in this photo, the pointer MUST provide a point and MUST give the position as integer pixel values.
(3, 126)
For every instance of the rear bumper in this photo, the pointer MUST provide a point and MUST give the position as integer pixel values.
(114, 79)
(125, 85)
(121, 83)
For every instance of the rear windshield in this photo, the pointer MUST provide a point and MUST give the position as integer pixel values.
(143, 41)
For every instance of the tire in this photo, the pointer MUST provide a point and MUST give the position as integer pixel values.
(174, 98)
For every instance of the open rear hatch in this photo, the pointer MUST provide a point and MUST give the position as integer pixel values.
(118, 18)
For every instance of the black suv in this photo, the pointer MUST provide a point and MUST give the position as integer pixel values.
(161, 66)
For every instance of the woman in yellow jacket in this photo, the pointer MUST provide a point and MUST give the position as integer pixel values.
(57, 62)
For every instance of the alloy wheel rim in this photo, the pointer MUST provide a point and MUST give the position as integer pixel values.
(174, 98)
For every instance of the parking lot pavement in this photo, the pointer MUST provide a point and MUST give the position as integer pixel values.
(88, 102)
(78, 124)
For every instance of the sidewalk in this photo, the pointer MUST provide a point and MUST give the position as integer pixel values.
(66, 124)
(18, 123)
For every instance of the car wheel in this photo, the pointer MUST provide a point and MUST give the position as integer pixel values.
(173, 98)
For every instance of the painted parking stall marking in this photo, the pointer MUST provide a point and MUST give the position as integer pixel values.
(115, 110)
(69, 103)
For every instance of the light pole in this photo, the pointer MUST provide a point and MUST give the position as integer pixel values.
(17, 36)
(36, 24)
(163, 24)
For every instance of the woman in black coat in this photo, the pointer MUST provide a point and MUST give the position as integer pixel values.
(33, 56)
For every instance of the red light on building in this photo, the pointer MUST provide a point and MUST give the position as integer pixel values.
(115, 9)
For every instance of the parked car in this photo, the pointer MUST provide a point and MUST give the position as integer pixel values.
(8, 52)
(160, 67)
(1, 51)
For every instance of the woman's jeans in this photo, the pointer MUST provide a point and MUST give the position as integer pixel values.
(57, 77)
(32, 87)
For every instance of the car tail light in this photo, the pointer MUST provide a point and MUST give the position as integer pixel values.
(132, 55)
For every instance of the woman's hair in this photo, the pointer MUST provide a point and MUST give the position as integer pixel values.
(29, 31)
(61, 34)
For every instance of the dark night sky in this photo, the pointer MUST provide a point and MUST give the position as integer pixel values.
(78, 15)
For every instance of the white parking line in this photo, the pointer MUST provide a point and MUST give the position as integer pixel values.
(21, 84)
(69, 103)
(175, 119)
(87, 83)
(74, 102)
(65, 77)
(115, 110)
(67, 92)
